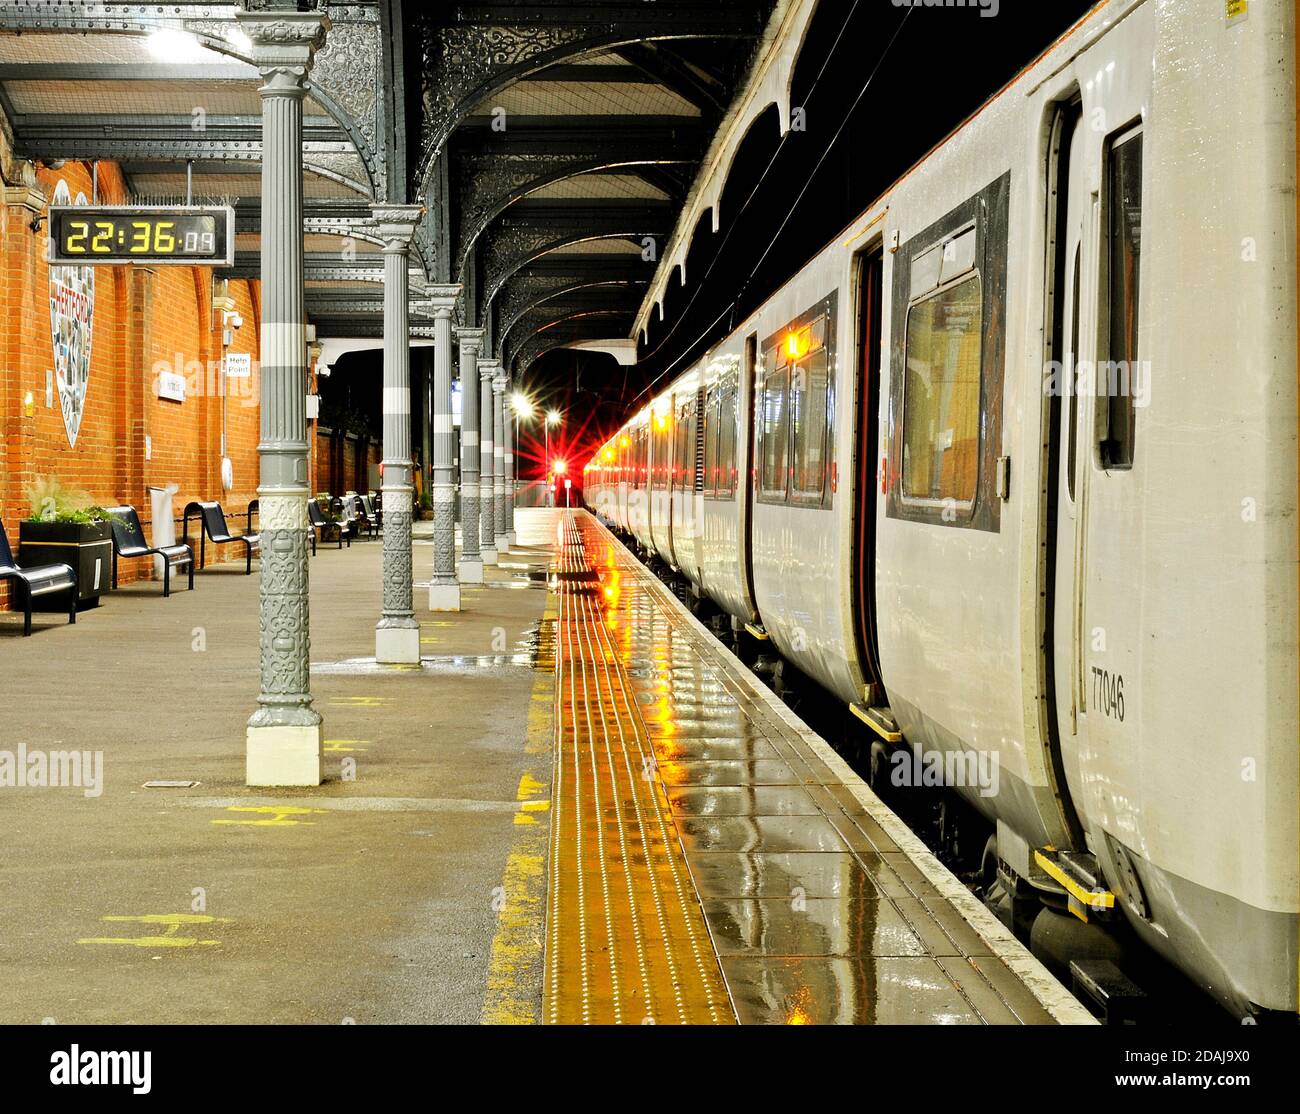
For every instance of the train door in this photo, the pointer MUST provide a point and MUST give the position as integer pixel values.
(870, 308)
(1073, 348)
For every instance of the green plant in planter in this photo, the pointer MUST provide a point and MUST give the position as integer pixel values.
(51, 502)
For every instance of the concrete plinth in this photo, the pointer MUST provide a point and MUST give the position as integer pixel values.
(471, 572)
(397, 645)
(503, 544)
(489, 555)
(510, 539)
(444, 597)
(283, 756)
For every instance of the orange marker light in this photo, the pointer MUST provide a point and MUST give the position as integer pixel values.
(797, 344)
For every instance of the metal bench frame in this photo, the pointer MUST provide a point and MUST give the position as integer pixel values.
(318, 524)
(128, 542)
(38, 580)
(212, 527)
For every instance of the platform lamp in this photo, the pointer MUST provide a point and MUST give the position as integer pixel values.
(553, 417)
(524, 410)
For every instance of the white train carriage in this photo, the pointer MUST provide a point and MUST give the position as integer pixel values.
(1017, 456)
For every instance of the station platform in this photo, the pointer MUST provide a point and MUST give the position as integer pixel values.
(578, 808)
(713, 860)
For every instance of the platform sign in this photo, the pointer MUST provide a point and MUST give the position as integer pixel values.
(190, 235)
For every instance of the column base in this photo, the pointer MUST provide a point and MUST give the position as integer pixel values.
(444, 597)
(470, 572)
(511, 538)
(489, 554)
(503, 544)
(283, 756)
(397, 645)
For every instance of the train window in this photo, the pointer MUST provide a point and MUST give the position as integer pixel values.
(774, 433)
(941, 395)
(1119, 378)
(711, 400)
(727, 441)
(684, 453)
(947, 351)
(809, 416)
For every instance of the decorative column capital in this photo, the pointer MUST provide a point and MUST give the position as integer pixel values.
(471, 340)
(488, 370)
(500, 382)
(284, 43)
(396, 224)
(441, 299)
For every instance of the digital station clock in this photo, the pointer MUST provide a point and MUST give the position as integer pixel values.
(91, 234)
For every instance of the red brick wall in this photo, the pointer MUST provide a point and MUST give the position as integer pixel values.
(143, 321)
(355, 468)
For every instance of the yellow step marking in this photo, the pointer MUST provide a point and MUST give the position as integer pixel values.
(343, 746)
(358, 701)
(170, 937)
(279, 815)
(528, 787)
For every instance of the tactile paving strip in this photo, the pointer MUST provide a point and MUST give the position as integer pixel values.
(815, 914)
(627, 941)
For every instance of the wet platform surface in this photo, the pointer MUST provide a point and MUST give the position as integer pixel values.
(577, 808)
(709, 864)
(409, 887)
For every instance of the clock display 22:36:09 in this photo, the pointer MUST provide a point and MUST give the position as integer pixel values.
(137, 235)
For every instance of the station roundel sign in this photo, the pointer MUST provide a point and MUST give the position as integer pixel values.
(72, 315)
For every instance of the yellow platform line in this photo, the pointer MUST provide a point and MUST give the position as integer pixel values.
(626, 939)
(518, 942)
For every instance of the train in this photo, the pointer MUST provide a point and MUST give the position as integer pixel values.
(1009, 469)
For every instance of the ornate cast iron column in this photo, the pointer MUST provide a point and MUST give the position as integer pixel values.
(499, 453)
(471, 560)
(444, 590)
(487, 463)
(397, 635)
(283, 741)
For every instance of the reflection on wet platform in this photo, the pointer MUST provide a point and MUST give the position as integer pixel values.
(714, 845)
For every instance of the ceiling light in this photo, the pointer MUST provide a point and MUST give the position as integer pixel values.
(169, 45)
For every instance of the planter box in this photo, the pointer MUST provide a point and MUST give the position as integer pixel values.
(88, 549)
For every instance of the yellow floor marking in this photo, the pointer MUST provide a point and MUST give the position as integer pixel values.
(358, 701)
(279, 815)
(343, 746)
(515, 966)
(169, 938)
(528, 787)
